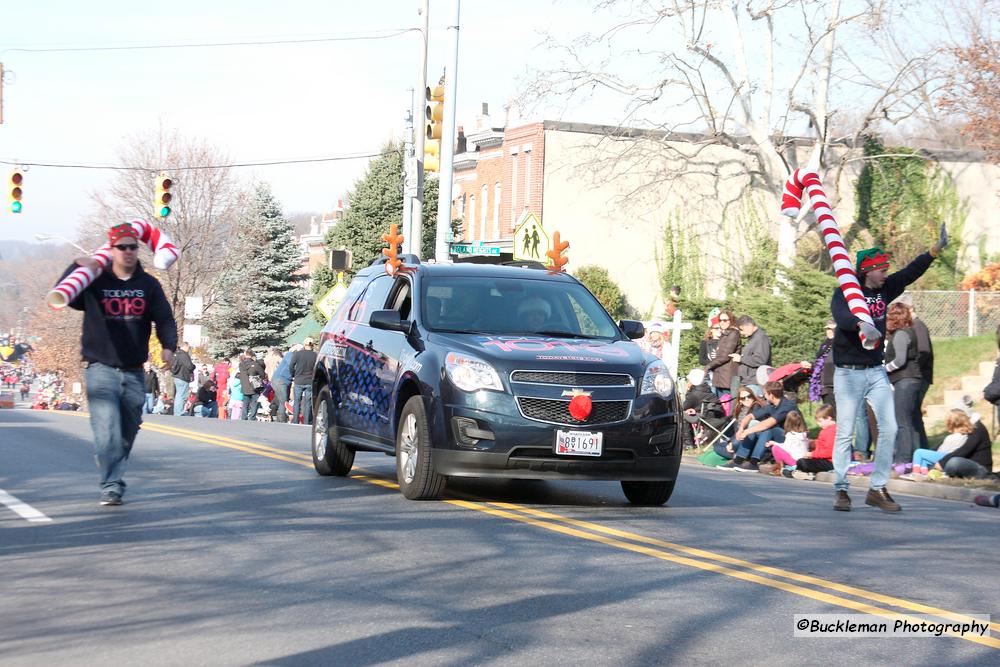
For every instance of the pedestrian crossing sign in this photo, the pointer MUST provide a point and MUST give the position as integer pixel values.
(531, 241)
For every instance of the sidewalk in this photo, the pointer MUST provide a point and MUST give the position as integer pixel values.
(937, 490)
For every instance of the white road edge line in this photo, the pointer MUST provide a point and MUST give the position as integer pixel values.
(21, 508)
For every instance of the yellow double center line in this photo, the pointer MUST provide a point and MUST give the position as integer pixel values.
(804, 585)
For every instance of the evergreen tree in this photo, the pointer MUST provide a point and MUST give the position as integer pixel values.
(260, 300)
(375, 203)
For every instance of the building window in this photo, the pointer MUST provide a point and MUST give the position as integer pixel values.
(483, 208)
(461, 216)
(527, 180)
(472, 217)
(496, 210)
(513, 190)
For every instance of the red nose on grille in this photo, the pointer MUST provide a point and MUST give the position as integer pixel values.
(580, 407)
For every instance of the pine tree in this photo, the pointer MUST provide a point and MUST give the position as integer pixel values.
(260, 300)
(376, 202)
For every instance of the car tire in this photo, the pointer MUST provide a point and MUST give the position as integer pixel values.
(414, 456)
(330, 455)
(648, 493)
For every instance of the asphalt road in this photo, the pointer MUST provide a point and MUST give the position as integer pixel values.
(230, 550)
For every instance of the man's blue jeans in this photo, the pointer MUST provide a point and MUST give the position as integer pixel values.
(302, 403)
(181, 396)
(147, 408)
(852, 387)
(753, 445)
(115, 398)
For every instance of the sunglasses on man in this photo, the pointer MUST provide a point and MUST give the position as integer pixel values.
(125, 247)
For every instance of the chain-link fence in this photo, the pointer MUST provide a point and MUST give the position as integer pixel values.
(957, 314)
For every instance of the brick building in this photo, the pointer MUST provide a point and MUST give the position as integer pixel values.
(602, 188)
(498, 175)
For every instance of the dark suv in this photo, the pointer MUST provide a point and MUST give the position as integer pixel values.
(466, 370)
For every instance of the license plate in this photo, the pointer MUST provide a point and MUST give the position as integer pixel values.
(579, 443)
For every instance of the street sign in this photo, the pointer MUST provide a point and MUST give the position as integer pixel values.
(531, 241)
(328, 304)
(474, 249)
(411, 182)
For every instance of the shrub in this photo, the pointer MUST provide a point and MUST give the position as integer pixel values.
(597, 280)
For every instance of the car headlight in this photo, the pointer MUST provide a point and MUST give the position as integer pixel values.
(657, 380)
(469, 373)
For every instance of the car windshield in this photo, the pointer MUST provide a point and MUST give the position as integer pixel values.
(507, 306)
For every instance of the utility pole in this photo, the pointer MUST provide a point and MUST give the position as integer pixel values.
(417, 203)
(411, 178)
(448, 137)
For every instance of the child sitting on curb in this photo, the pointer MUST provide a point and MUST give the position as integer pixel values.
(959, 426)
(819, 458)
(796, 444)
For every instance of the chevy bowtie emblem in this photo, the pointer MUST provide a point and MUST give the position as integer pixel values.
(576, 392)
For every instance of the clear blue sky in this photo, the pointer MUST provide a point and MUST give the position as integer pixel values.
(253, 102)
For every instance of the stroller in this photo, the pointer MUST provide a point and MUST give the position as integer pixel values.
(264, 403)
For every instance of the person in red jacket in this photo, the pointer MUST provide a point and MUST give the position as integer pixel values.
(820, 459)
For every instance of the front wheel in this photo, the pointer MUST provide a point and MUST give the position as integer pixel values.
(414, 460)
(330, 455)
(648, 493)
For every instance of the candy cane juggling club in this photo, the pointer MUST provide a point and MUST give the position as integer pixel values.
(165, 253)
(807, 180)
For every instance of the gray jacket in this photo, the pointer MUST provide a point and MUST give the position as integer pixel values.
(756, 352)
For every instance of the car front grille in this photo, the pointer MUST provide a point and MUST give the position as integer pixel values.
(557, 411)
(572, 379)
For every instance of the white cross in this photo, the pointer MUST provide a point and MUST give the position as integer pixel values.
(674, 350)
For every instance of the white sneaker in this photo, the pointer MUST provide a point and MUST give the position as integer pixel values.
(798, 474)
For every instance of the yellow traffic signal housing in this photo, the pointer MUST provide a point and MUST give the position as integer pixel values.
(14, 190)
(432, 152)
(161, 200)
(434, 111)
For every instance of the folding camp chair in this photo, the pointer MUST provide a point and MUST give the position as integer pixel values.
(714, 424)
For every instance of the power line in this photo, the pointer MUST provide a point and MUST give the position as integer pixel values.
(345, 37)
(260, 163)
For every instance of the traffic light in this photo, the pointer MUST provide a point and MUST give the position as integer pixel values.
(14, 190)
(161, 200)
(432, 152)
(556, 253)
(434, 117)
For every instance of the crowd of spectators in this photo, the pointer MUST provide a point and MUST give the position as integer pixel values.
(745, 415)
(273, 386)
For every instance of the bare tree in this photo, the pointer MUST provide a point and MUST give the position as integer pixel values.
(745, 75)
(206, 202)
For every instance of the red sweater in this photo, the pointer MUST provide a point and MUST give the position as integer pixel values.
(824, 443)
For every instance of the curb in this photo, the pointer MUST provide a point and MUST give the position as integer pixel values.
(904, 487)
(964, 494)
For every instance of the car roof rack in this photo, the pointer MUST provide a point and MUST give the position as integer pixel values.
(525, 264)
(407, 259)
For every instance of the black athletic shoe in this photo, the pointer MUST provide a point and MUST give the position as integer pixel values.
(111, 498)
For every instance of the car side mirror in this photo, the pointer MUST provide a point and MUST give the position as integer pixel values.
(633, 329)
(390, 320)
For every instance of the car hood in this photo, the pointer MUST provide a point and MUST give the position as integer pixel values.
(538, 352)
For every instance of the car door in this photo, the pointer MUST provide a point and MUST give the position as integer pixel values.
(364, 406)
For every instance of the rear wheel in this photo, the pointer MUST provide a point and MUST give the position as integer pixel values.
(330, 455)
(414, 459)
(648, 493)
